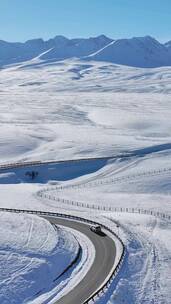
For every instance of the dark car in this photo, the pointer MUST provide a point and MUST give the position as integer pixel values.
(96, 228)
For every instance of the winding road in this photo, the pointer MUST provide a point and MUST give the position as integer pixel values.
(105, 249)
(105, 253)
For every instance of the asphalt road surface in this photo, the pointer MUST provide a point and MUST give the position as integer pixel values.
(101, 267)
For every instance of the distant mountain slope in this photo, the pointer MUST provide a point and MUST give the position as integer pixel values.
(77, 48)
(138, 52)
(18, 52)
(168, 46)
(60, 48)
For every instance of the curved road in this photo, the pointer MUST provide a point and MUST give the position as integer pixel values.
(105, 253)
(101, 267)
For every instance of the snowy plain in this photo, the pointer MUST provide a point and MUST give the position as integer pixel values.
(72, 109)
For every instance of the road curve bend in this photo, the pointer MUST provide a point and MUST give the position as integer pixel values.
(105, 254)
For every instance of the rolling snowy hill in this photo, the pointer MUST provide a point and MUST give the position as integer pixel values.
(138, 52)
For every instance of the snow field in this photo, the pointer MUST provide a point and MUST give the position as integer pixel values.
(41, 108)
(148, 178)
(145, 276)
(33, 254)
(72, 110)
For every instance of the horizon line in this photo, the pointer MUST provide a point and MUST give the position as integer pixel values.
(162, 41)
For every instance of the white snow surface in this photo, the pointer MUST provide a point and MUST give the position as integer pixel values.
(32, 255)
(42, 106)
(76, 109)
(147, 261)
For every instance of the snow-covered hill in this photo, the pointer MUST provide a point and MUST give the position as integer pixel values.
(41, 107)
(138, 51)
(32, 255)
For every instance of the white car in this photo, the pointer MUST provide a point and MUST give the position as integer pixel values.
(95, 228)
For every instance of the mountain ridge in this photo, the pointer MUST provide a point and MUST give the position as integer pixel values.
(145, 52)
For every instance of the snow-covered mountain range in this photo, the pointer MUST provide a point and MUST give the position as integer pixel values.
(137, 51)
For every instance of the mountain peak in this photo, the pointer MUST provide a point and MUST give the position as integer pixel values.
(104, 38)
(60, 38)
(35, 42)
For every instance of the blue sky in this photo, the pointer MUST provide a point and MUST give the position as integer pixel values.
(24, 19)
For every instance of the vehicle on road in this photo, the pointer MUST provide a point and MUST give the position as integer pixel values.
(96, 228)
